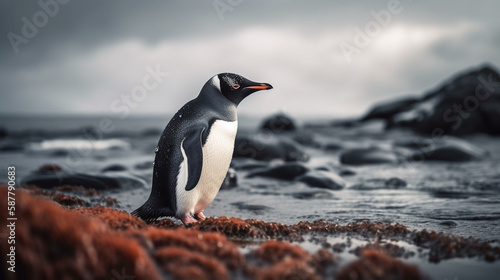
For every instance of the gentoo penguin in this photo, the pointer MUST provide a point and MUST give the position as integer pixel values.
(195, 150)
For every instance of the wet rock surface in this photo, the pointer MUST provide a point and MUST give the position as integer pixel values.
(48, 177)
(466, 104)
(373, 155)
(322, 179)
(267, 147)
(286, 171)
(101, 242)
(279, 123)
(447, 149)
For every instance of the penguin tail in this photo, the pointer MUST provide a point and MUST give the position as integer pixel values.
(150, 214)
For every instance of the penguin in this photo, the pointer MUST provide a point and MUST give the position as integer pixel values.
(195, 150)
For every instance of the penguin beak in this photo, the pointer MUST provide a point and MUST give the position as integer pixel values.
(261, 86)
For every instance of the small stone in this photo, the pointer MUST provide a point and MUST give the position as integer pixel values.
(286, 171)
(371, 155)
(323, 180)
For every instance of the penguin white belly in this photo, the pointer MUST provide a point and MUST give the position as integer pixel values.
(217, 155)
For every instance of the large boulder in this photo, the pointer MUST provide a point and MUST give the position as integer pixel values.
(279, 123)
(386, 110)
(287, 171)
(447, 149)
(322, 179)
(49, 177)
(466, 104)
(267, 147)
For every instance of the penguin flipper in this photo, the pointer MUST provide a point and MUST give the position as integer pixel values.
(192, 146)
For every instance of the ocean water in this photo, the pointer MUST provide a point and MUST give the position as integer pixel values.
(458, 198)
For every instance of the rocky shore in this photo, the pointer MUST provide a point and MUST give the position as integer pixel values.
(380, 197)
(58, 238)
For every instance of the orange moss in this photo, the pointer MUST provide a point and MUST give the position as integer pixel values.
(60, 198)
(276, 251)
(52, 242)
(186, 264)
(119, 220)
(387, 248)
(71, 201)
(212, 245)
(165, 223)
(103, 243)
(238, 228)
(375, 265)
(287, 261)
(287, 269)
(362, 228)
(445, 246)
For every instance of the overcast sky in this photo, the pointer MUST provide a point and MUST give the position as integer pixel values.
(86, 57)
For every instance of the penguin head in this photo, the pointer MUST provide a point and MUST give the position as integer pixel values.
(235, 87)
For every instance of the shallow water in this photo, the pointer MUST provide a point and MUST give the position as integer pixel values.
(459, 198)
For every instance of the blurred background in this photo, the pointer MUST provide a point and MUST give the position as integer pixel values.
(324, 58)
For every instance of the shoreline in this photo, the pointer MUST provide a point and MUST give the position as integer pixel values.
(229, 248)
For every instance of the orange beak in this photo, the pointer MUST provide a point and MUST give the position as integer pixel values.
(261, 87)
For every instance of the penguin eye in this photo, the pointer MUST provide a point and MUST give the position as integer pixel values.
(236, 86)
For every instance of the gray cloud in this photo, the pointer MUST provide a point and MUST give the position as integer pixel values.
(91, 53)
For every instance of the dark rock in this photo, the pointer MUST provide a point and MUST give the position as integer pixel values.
(279, 123)
(231, 180)
(448, 224)
(332, 146)
(114, 167)
(448, 149)
(449, 194)
(346, 172)
(312, 195)
(3, 132)
(414, 143)
(267, 147)
(337, 169)
(254, 208)
(387, 110)
(306, 139)
(393, 183)
(371, 155)
(286, 171)
(323, 180)
(52, 179)
(464, 105)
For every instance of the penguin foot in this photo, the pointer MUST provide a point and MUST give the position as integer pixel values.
(200, 216)
(188, 220)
